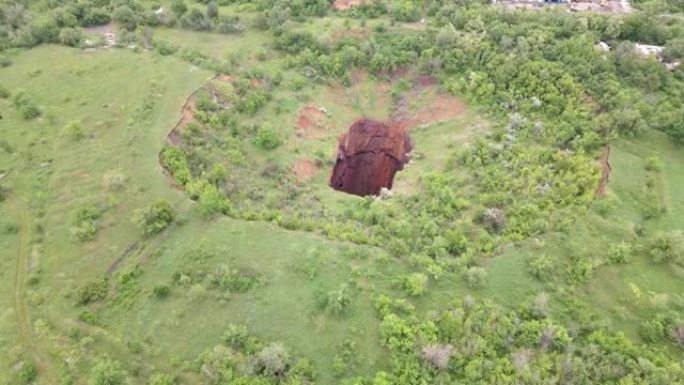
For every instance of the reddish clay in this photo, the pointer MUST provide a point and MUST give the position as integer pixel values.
(369, 156)
(343, 5)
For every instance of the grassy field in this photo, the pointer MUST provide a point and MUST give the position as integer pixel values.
(114, 167)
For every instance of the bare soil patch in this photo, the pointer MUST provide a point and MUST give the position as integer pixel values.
(425, 105)
(343, 5)
(604, 162)
(312, 122)
(304, 170)
(353, 33)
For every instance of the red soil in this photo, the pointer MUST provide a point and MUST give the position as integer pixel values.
(225, 78)
(343, 5)
(310, 121)
(605, 171)
(369, 156)
(304, 170)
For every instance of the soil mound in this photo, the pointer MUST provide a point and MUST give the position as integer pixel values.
(368, 157)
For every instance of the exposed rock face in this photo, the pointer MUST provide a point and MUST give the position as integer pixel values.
(368, 156)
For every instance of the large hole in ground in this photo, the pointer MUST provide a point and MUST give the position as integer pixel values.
(368, 157)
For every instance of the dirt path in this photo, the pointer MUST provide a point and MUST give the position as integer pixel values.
(24, 324)
(604, 162)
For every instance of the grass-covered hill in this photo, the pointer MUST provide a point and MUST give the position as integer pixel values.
(166, 218)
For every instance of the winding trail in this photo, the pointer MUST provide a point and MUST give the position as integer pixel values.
(21, 308)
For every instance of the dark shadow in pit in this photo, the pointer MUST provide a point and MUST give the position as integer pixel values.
(368, 157)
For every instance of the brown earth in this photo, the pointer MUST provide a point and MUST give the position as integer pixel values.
(433, 106)
(225, 78)
(343, 5)
(368, 157)
(604, 162)
(304, 170)
(311, 122)
(352, 33)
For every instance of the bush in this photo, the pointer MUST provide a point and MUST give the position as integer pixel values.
(108, 372)
(336, 301)
(196, 21)
(70, 36)
(25, 106)
(273, 360)
(414, 284)
(92, 291)
(126, 17)
(212, 10)
(155, 218)
(74, 130)
(495, 219)
(475, 276)
(5, 61)
(266, 138)
(162, 379)
(665, 247)
(27, 373)
(4, 92)
(653, 164)
(162, 291)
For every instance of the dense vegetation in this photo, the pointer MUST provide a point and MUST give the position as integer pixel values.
(420, 261)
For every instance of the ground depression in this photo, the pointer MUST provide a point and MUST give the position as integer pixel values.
(368, 157)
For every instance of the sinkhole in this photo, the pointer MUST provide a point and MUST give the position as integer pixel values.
(368, 157)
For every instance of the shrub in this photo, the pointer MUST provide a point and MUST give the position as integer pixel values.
(162, 291)
(539, 266)
(126, 17)
(665, 247)
(653, 164)
(213, 201)
(266, 138)
(475, 276)
(273, 360)
(5, 61)
(155, 218)
(178, 8)
(414, 284)
(70, 36)
(27, 373)
(495, 219)
(85, 223)
(74, 130)
(438, 355)
(336, 301)
(162, 379)
(619, 252)
(108, 372)
(212, 10)
(4, 92)
(92, 291)
(25, 106)
(196, 21)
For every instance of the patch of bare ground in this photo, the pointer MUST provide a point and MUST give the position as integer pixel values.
(360, 34)
(304, 170)
(343, 5)
(425, 105)
(312, 122)
(604, 162)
